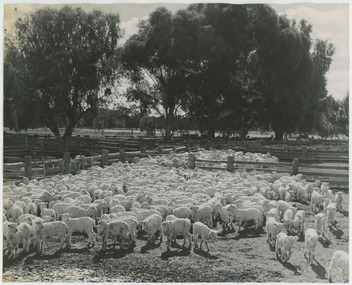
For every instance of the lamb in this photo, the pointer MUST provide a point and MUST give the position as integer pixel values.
(202, 231)
(60, 208)
(143, 214)
(78, 212)
(22, 234)
(338, 200)
(26, 200)
(44, 230)
(14, 213)
(320, 220)
(48, 212)
(152, 225)
(31, 209)
(115, 229)
(316, 201)
(246, 215)
(273, 213)
(273, 228)
(22, 205)
(339, 260)
(203, 213)
(224, 216)
(311, 240)
(288, 217)
(182, 212)
(298, 222)
(82, 225)
(132, 223)
(117, 209)
(330, 213)
(8, 231)
(48, 219)
(283, 246)
(282, 206)
(178, 226)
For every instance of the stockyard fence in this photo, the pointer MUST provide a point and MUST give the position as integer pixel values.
(42, 156)
(45, 168)
(336, 176)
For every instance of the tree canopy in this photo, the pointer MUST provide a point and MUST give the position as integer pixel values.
(68, 58)
(225, 67)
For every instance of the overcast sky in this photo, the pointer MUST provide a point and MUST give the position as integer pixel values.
(330, 22)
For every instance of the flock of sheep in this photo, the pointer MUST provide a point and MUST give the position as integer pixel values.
(160, 197)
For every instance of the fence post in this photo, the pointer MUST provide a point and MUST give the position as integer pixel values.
(304, 153)
(27, 163)
(123, 154)
(161, 149)
(44, 168)
(104, 158)
(230, 163)
(67, 163)
(143, 149)
(187, 148)
(295, 166)
(191, 164)
(174, 149)
(41, 146)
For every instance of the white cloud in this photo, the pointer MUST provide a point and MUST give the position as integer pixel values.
(130, 28)
(330, 22)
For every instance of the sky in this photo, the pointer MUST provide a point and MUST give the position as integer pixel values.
(330, 22)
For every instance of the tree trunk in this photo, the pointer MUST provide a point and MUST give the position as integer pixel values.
(169, 124)
(279, 134)
(68, 131)
(55, 130)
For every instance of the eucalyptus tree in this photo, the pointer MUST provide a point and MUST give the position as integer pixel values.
(70, 61)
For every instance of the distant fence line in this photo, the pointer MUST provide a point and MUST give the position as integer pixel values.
(311, 172)
(45, 168)
(18, 146)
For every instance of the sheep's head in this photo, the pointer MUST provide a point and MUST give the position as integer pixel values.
(213, 235)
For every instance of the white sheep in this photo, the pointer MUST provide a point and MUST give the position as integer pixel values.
(311, 240)
(14, 213)
(330, 214)
(60, 208)
(81, 225)
(339, 260)
(152, 225)
(53, 229)
(203, 213)
(273, 228)
(178, 226)
(114, 229)
(273, 213)
(245, 215)
(338, 200)
(117, 209)
(78, 212)
(31, 209)
(22, 234)
(283, 246)
(320, 221)
(182, 212)
(202, 231)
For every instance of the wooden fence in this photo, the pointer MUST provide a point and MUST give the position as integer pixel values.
(43, 168)
(336, 176)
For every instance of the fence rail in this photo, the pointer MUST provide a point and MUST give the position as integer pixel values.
(311, 172)
(44, 168)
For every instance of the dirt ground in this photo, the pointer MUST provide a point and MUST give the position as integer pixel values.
(244, 257)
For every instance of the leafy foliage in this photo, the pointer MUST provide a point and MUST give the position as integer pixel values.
(68, 56)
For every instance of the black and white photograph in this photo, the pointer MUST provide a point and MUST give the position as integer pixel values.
(186, 142)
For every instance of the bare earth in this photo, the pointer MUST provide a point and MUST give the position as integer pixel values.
(244, 257)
